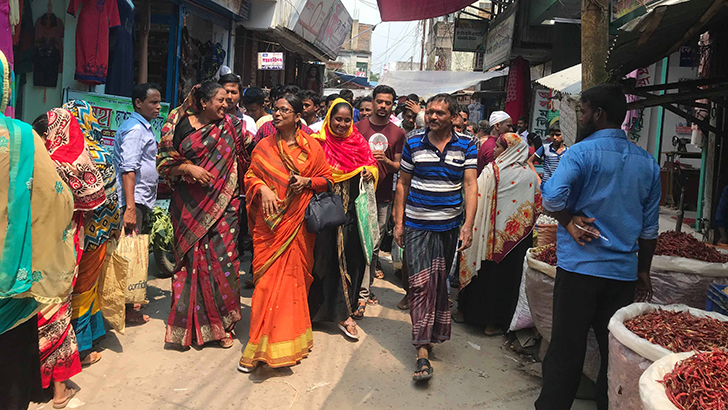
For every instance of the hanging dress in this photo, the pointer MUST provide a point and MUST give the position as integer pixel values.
(120, 79)
(92, 38)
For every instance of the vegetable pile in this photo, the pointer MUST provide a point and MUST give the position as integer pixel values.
(680, 331)
(547, 254)
(699, 382)
(682, 244)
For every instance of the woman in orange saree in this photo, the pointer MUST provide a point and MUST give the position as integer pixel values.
(285, 171)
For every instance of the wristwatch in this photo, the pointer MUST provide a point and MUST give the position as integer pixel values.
(308, 185)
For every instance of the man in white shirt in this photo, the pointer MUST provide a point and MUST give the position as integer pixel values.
(234, 88)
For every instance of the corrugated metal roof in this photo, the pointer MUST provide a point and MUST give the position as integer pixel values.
(567, 81)
(660, 32)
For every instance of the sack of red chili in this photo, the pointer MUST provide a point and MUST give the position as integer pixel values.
(630, 354)
(543, 259)
(683, 269)
(686, 381)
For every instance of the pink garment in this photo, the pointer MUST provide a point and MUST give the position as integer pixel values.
(92, 38)
(6, 32)
(518, 88)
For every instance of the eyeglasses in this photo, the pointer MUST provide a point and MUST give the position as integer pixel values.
(283, 110)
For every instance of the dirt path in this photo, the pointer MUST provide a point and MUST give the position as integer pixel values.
(375, 373)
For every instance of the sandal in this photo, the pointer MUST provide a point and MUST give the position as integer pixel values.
(245, 369)
(423, 365)
(403, 304)
(494, 331)
(227, 342)
(64, 403)
(345, 328)
(359, 313)
(457, 316)
(373, 300)
(88, 361)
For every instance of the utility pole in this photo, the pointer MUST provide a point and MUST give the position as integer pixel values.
(422, 54)
(594, 42)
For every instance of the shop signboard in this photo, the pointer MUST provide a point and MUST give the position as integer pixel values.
(112, 110)
(244, 10)
(324, 23)
(498, 42)
(270, 61)
(469, 35)
(543, 112)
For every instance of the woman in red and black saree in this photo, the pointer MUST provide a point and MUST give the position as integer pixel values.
(199, 156)
(509, 202)
(286, 169)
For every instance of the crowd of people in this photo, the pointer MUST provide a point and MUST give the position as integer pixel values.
(244, 165)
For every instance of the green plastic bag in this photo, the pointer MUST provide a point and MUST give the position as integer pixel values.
(366, 216)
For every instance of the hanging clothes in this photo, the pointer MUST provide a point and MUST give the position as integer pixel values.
(6, 30)
(48, 54)
(120, 80)
(92, 38)
(24, 40)
(518, 88)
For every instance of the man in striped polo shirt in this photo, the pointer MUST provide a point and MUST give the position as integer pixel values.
(437, 163)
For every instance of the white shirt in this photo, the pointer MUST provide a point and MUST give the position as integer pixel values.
(316, 126)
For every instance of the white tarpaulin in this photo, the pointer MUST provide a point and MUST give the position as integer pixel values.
(428, 83)
(567, 81)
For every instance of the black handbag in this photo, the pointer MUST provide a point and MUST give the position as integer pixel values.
(325, 211)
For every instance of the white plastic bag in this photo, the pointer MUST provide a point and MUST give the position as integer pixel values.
(639, 345)
(652, 392)
(685, 281)
(630, 355)
(522, 317)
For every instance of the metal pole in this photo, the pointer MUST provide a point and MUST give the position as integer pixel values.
(144, 42)
(422, 54)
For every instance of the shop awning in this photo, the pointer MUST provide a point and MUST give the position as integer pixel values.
(662, 31)
(411, 10)
(429, 83)
(348, 78)
(566, 81)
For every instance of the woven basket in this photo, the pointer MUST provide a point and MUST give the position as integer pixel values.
(546, 234)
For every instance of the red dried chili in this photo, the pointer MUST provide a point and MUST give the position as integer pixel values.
(682, 244)
(547, 254)
(699, 382)
(680, 331)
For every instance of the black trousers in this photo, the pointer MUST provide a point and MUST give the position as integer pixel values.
(580, 302)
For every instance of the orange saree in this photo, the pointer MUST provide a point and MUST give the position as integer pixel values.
(280, 326)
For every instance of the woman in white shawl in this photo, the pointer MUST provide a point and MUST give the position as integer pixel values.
(509, 202)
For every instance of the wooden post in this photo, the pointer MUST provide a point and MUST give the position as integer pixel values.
(146, 18)
(594, 42)
(422, 54)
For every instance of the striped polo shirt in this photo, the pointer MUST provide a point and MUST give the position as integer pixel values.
(435, 201)
(550, 158)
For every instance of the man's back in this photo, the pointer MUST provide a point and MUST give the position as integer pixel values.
(608, 178)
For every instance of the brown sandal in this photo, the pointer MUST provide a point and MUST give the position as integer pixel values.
(228, 341)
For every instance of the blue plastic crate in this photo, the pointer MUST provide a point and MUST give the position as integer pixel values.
(717, 300)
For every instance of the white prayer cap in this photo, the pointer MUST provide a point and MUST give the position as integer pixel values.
(496, 117)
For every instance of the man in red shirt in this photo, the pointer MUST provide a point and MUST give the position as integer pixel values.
(388, 161)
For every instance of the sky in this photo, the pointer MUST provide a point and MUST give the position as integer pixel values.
(395, 41)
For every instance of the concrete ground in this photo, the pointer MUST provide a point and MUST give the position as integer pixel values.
(471, 370)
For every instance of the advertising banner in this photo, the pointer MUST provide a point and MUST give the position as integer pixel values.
(112, 110)
(323, 23)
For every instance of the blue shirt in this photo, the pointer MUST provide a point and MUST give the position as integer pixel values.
(135, 150)
(721, 214)
(608, 178)
(550, 158)
(435, 200)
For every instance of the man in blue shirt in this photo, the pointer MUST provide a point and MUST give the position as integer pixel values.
(605, 195)
(436, 167)
(135, 160)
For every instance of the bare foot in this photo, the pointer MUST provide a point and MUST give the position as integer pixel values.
(134, 316)
(349, 328)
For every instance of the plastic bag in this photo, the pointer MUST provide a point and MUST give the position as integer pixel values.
(366, 215)
(522, 317)
(630, 355)
(135, 249)
(652, 393)
(685, 281)
(112, 288)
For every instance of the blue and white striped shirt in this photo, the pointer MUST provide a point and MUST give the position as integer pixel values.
(435, 201)
(550, 158)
